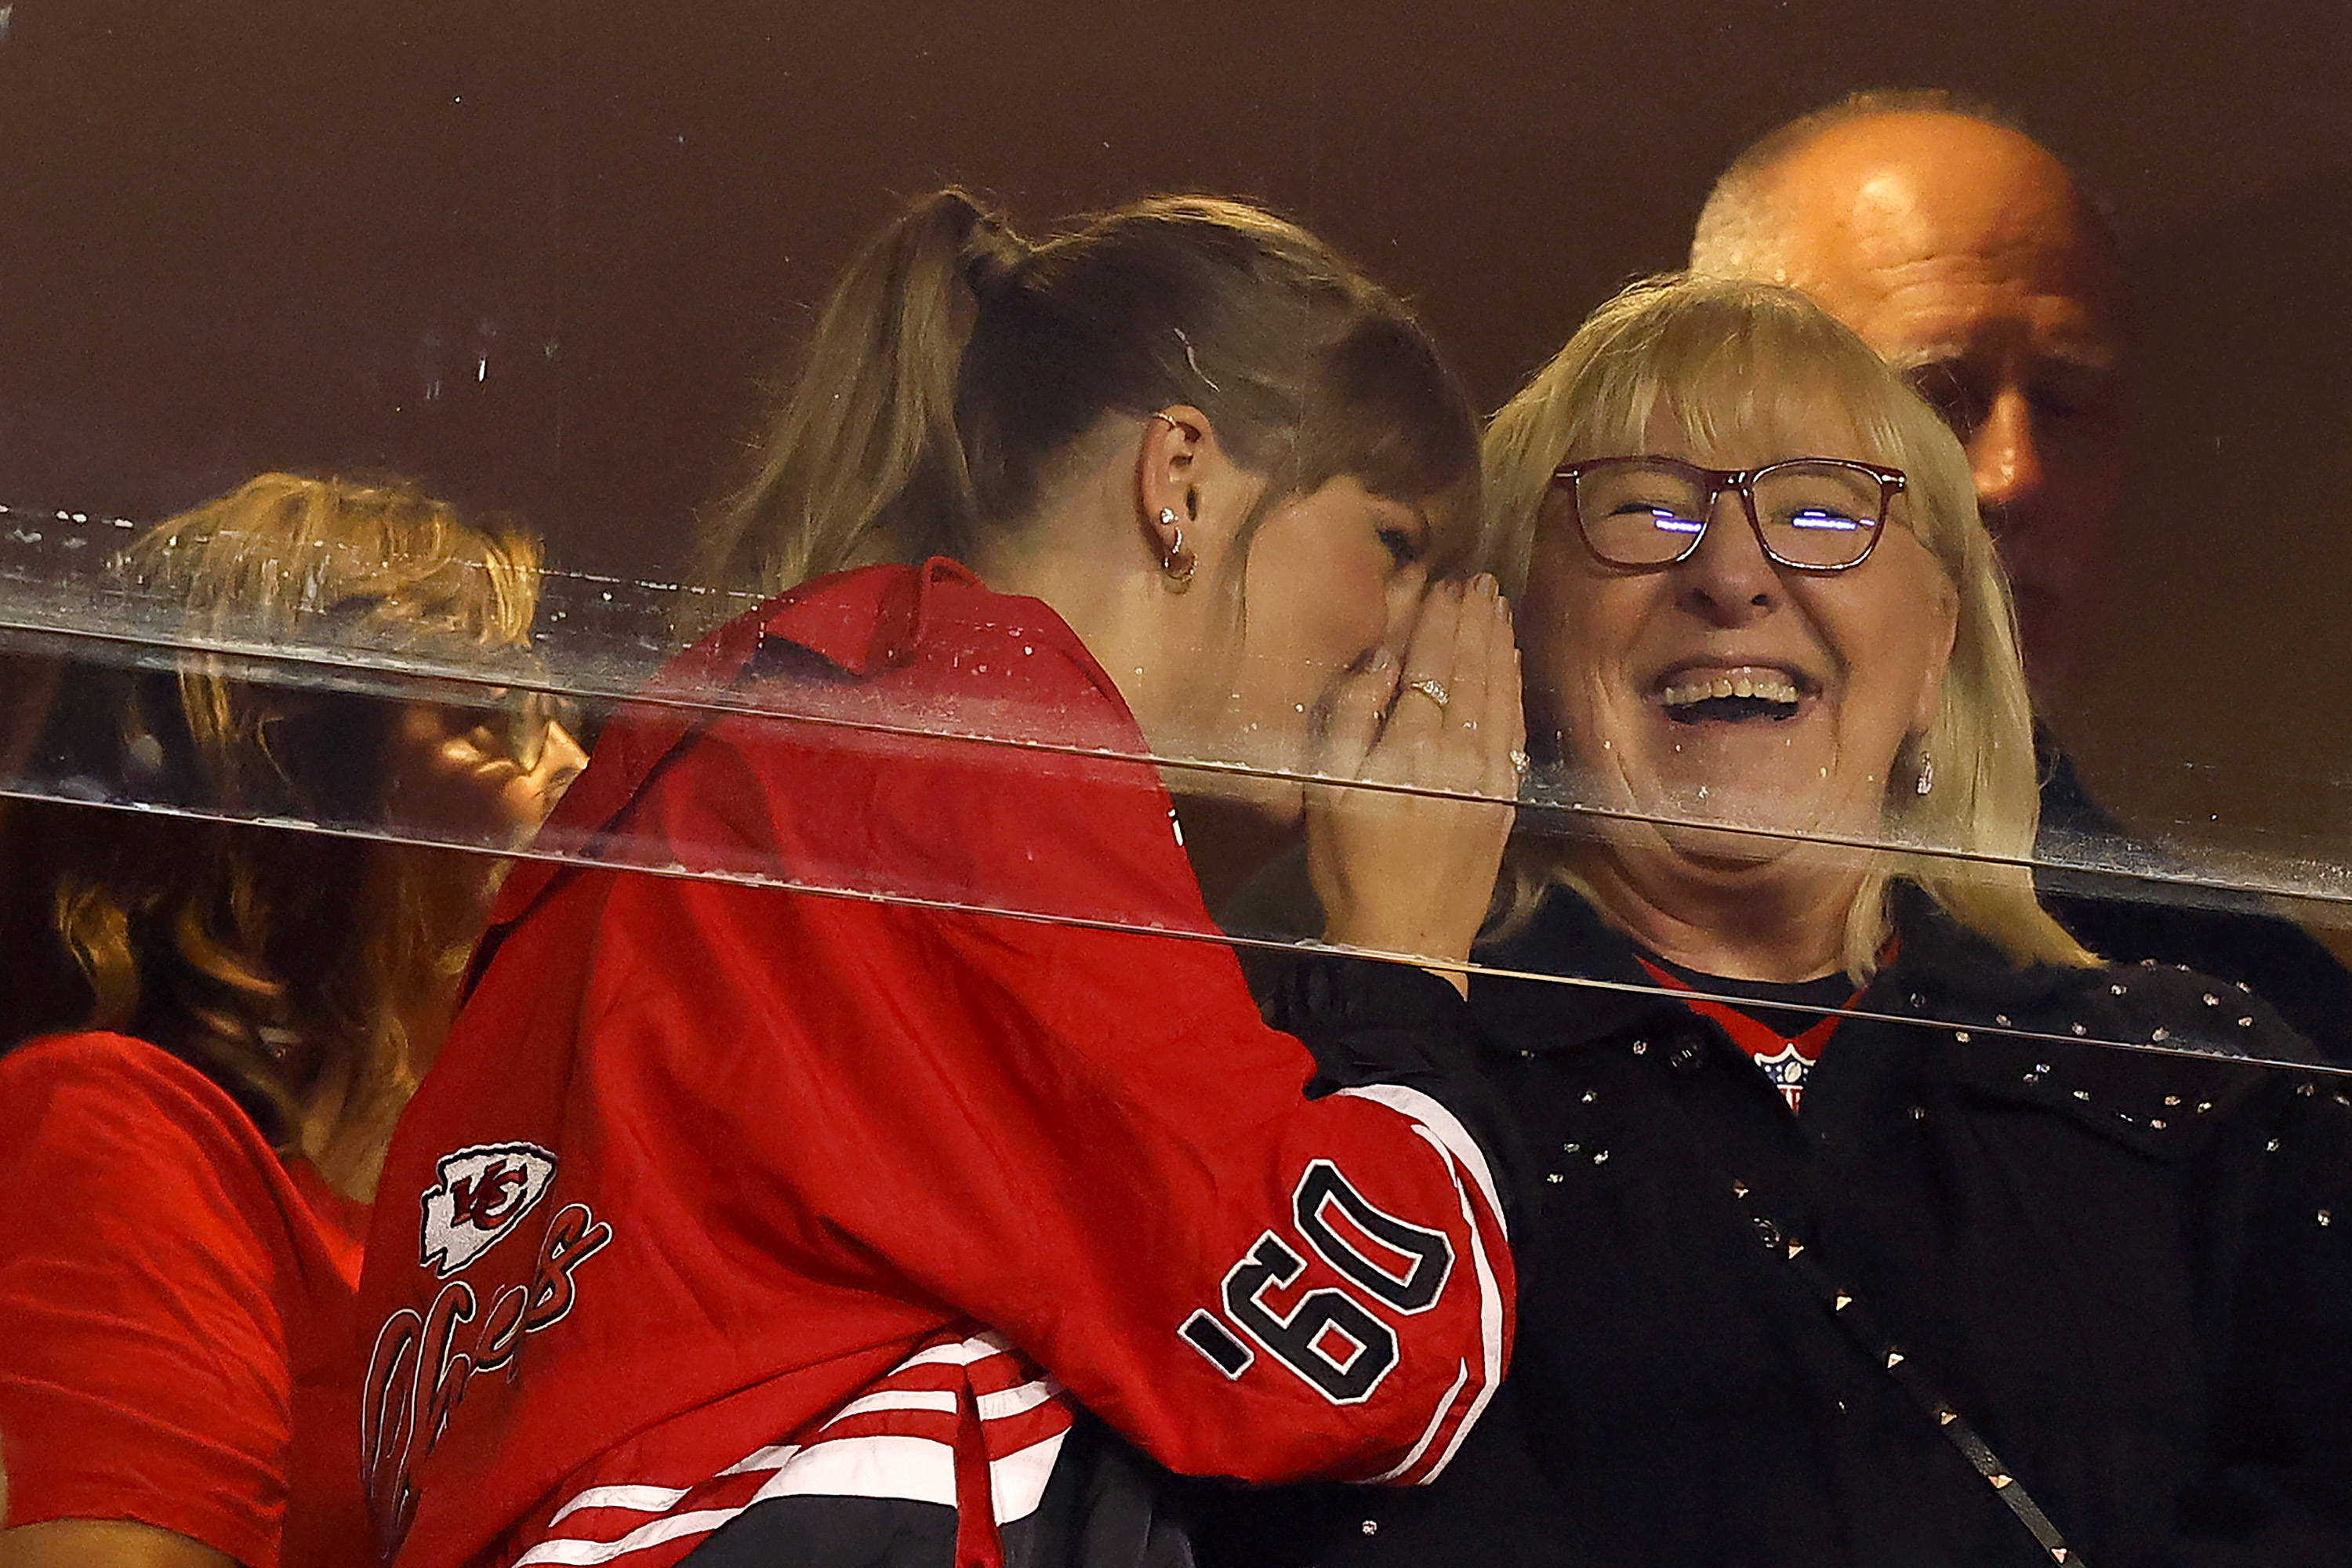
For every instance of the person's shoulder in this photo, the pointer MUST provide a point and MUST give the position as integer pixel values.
(2155, 1064)
(128, 1075)
(106, 1113)
(2173, 1012)
(1942, 969)
(1560, 933)
(953, 696)
(936, 633)
(2148, 1053)
(964, 740)
(2233, 1068)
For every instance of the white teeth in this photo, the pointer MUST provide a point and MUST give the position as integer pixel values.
(1768, 685)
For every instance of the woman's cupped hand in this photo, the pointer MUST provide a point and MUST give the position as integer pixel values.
(1420, 762)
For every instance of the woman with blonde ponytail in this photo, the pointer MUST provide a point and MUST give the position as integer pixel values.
(211, 1025)
(841, 1204)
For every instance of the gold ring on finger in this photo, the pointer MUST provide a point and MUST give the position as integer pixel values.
(1432, 689)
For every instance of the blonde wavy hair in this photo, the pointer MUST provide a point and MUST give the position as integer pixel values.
(285, 965)
(1726, 357)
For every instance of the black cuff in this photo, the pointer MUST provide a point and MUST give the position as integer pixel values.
(1370, 1021)
(1362, 1017)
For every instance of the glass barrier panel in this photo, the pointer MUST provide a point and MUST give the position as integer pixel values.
(1789, 559)
(106, 656)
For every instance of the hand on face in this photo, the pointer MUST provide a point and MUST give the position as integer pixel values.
(1231, 658)
(1331, 578)
(1278, 606)
(1726, 691)
(1331, 585)
(1408, 872)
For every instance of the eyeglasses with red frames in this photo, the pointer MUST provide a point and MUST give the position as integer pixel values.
(1812, 514)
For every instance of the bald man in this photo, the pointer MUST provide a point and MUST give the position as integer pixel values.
(1967, 255)
(1963, 252)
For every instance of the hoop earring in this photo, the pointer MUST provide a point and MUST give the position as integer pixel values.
(1176, 562)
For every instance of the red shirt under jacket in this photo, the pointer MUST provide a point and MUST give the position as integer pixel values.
(704, 1162)
(174, 1299)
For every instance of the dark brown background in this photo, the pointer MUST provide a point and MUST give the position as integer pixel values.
(541, 252)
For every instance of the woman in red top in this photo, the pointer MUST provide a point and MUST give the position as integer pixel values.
(764, 1225)
(186, 1173)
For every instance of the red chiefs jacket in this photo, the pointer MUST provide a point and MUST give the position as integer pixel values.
(829, 1170)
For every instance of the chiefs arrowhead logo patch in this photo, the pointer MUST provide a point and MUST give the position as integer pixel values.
(483, 1193)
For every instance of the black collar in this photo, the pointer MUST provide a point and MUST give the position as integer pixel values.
(1942, 972)
(2016, 1036)
(1565, 937)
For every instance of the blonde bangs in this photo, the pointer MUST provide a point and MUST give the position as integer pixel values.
(274, 558)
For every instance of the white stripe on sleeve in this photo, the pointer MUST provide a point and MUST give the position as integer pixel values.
(639, 1500)
(1461, 1152)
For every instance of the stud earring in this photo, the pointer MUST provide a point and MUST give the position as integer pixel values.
(1176, 562)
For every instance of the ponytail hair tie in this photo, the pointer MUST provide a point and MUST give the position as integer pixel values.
(994, 256)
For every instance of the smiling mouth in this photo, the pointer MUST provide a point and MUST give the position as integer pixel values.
(1749, 694)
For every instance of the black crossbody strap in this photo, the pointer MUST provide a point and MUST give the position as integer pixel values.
(1861, 1327)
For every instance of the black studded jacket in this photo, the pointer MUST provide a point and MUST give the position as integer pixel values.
(1990, 1261)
